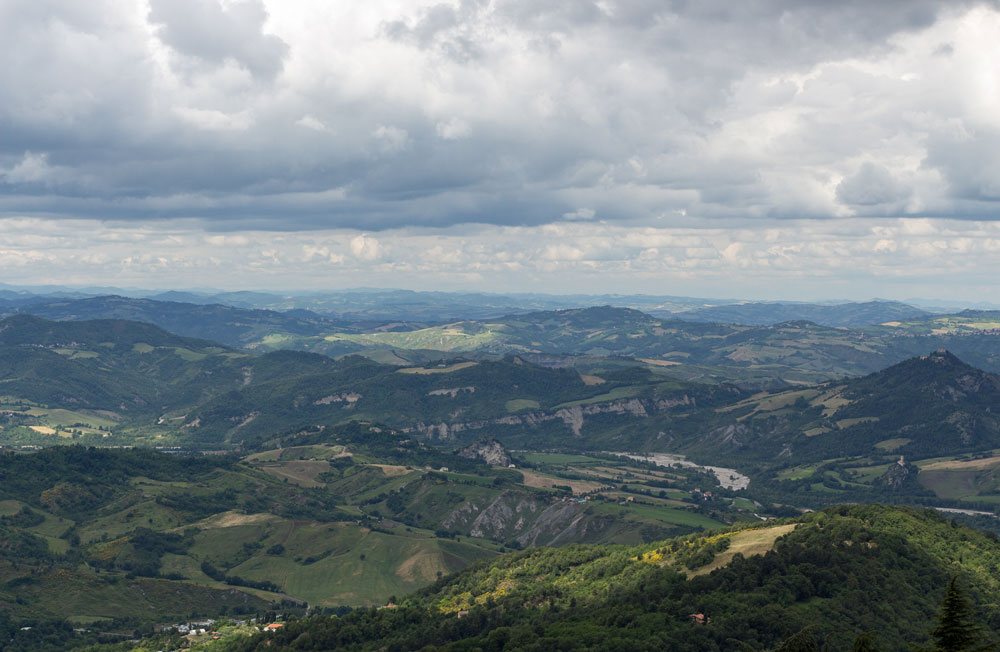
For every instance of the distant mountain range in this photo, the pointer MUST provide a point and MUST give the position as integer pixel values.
(762, 355)
(430, 306)
(221, 323)
(154, 384)
(845, 314)
(365, 304)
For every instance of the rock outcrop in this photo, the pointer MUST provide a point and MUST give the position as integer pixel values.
(899, 476)
(488, 450)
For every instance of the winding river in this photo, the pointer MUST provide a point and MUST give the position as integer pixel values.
(728, 478)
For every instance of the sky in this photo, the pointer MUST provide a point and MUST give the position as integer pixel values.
(757, 149)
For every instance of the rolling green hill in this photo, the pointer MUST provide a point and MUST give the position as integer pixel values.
(925, 429)
(800, 352)
(348, 516)
(449, 401)
(928, 406)
(193, 535)
(827, 577)
(122, 383)
(121, 367)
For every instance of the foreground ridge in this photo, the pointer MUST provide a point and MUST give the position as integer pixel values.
(830, 576)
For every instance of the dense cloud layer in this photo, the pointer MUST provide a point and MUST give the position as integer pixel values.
(270, 115)
(303, 115)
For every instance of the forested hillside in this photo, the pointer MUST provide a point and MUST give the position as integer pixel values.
(825, 580)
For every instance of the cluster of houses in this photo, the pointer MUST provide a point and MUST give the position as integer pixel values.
(207, 627)
(193, 628)
(702, 495)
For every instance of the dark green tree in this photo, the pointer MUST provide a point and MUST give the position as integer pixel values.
(803, 641)
(956, 629)
(865, 642)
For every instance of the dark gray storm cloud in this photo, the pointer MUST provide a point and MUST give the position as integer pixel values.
(377, 115)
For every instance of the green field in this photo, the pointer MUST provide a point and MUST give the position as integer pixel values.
(77, 354)
(324, 563)
(84, 596)
(798, 472)
(890, 445)
(667, 515)
(558, 458)
(304, 473)
(34, 424)
(61, 417)
(190, 356)
(745, 504)
(443, 369)
(957, 484)
(358, 566)
(316, 452)
(866, 474)
(614, 395)
(963, 477)
(519, 404)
